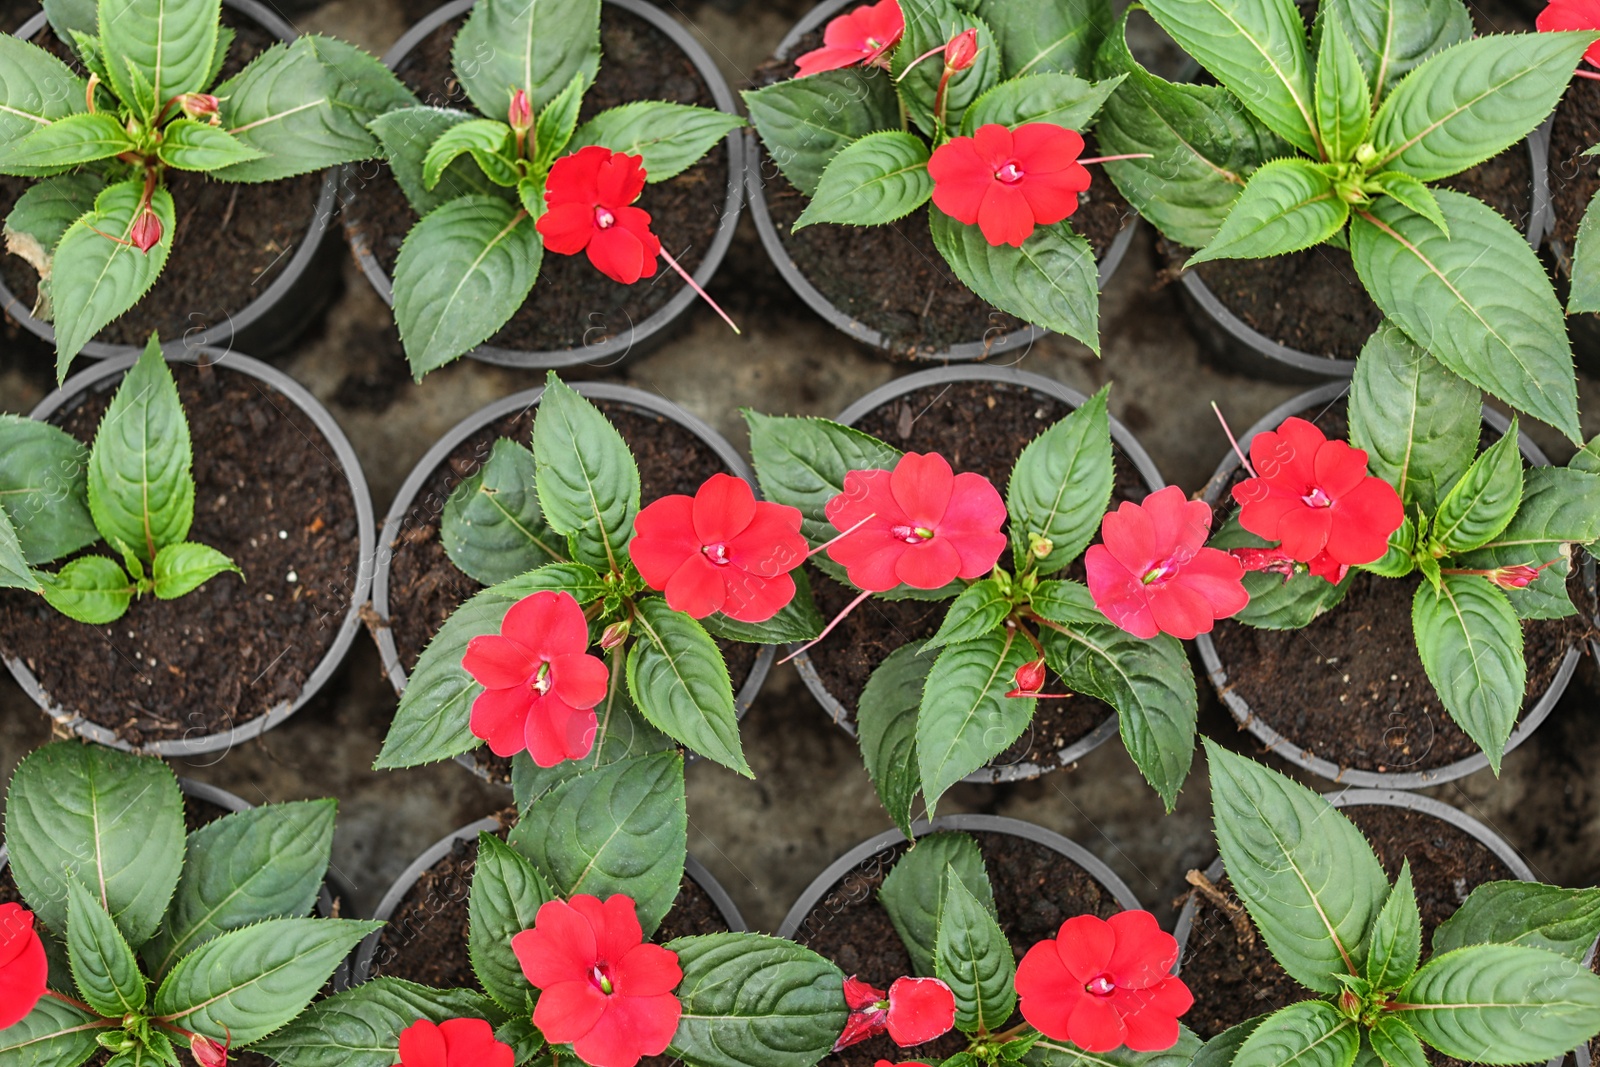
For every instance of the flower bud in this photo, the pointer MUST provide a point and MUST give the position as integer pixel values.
(199, 106)
(1350, 1003)
(1040, 545)
(614, 635)
(1029, 679)
(1366, 154)
(961, 50)
(520, 115)
(146, 231)
(1517, 577)
(207, 1053)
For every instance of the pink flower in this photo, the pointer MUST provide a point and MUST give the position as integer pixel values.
(24, 971)
(591, 195)
(914, 1011)
(1153, 575)
(864, 35)
(1007, 182)
(207, 1053)
(1572, 15)
(920, 524)
(453, 1043)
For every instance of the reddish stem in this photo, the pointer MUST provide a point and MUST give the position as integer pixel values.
(826, 630)
(1591, 75)
(1114, 159)
(1234, 442)
(696, 287)
(842, 536)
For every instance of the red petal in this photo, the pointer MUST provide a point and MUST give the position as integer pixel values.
(1219, 578)
(1178, 525)
(1049, 992)
(821, 59)
(755, 599)
(616, 924)
(929, 565)
(567, 228)
(922, 485)
(548, 624)
(849, 30)
(697, 588)
(16, 931)
(1095, 1025)
(975, 506)
(1144, 954)
(663, 539)
(1151, 1015)
(1179, 610)
(1363, 519)
(877, 570)
(1045, 148)
(560, 948)
(620, 181)
(858, 994)
(771, 544)
(1265, 507)
(1005, 217)
(920, 1009)
(575, 178)
(498, 716)
(579, 679)
(569, 1011)
(1119, 595)
(865, 493)
(1130, 536)
(618, 254)
(961, 178)
(1338, 468)
(646, 970)
(1303, 531)
(723, 508)
(22, 982)
(555, 732)
(1085, 944)
(1288, 457)
(422, 1044)
(636, 220)
(1053, 197)
(632, 1028)
(994, 146)
(496, 662)
(471, 1043)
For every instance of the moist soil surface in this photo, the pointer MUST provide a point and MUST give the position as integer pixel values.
(1350, 687)
(573, 304)
(1235, 978)
(981, 427)
(1574, 177)
(425, 587)
(231, 242)
(269, 494)
(1035, 890)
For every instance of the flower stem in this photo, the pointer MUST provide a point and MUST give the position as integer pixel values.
(826, 630)
(1591, 75)
(1114, 159)
(696, 287)
(842, 536)
(1232, 441)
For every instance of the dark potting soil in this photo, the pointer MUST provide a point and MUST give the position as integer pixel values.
(231, 242)
(572, 304)
(1035, 890)
(981, 427)
(1234, 979)
(425, 588)
(1574, 177)
(270, 495)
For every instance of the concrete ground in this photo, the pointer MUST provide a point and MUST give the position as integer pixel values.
(766, 839)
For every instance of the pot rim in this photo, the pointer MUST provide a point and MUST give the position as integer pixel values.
(994, 824)
(1021, 338)
(650, 403)
(1120, 435)
(616, 348)
(221, 334)
(115, 367)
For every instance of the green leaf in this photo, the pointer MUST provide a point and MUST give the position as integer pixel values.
(190, 145)
(97, 274)
(622, 828)
(1060, 486)
(507, 892)
(587, 478)
(804, 122)
(53, 1034)
(104, 968)
(1482, 502)
(1306, 874)
(242, 985)
(1396, 1044)
(670, 137)
(913, 892)
(1052, 280)
(966, 719)
(1559, 506)
(14, 572)
(1417, 422)
(1412, 193)
(1047, 38)
(1396, 936)
(1471, 646)
(433, 721)
(980, 608)
(90, 589)
(929, 24)
(1060, 99)
(802, 462)
(1472, 101)
(185, 567)
(1502, 1004)
(1047, 1053)
(1585, 272)
(36, 89)
(1149, 683)
(111, 820)
(1277, 603)
(167, 42)
(553, 129)
(463, 271)
(882, 177)
(1288, 205)
(1559, 920)
(1257, 48)
(1478, 301)
(406, 135)
(41, 215)
(1393, 36)
(1344, 99)
(490, 144)
(679, 681)
(797, 620)
(141, 491)
(538, 47)
(492, 528)
(973, 957)
(69, 16)
(621, 733)
(754, 999)
(361, 1027)
(1220, 1050)
(67, 142)
(1308, 1034)
(886, 726)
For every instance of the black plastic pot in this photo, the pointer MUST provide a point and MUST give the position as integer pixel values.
(633, 338)
(1015, 341)
(272, 320)
(1285, 747)
(361, 960)
(885, 843)
(1120, 436)
(638, 399)
(106, 376)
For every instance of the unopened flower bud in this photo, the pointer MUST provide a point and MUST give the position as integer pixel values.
(146, 231)
(1350, 1004)
(199, 106)
(520, 115)
(614, 635)
(1366, 154)
(207, 1053)
(1518, 577)
(961, 50)
(1029, 679)
(1040, 545)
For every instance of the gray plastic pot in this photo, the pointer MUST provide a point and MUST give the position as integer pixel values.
(634, 338)
(272, 320)
(884, 844)
(639, 400)
(1286, 747)
(105, 376)
(1124, 440)
(360, 967)
(755, 182)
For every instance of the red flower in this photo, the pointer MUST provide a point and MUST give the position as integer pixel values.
(23, 967)
(603, 989)
(1572, 15)
(453, 1043)
(207, 1053)
(864, 35)
(919, 524)
(591, 194)
(1007, 182)
(1102, 983)
(914, 1011)
(1314, 495)
(720, 550)
(1152, 574)
(539, 684)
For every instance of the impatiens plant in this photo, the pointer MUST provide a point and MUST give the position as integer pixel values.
(1491, 541)
(906, 526)
(99, 224)
(1504, 982)
(133, 489)
(979, 107)
(572, 562)
(497, 189)
(1338, 140)
(156, 942)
